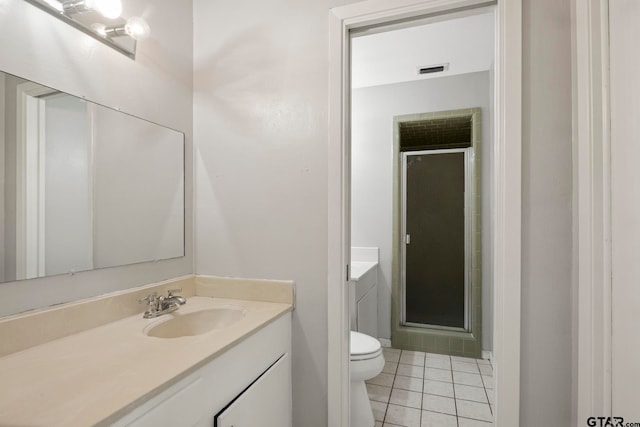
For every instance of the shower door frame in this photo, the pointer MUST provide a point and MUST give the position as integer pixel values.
(468, 197)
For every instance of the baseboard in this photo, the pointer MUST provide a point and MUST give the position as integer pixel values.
(486, 354)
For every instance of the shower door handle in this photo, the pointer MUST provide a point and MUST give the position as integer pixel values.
(407, 239)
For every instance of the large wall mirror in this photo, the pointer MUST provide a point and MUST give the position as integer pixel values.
(83, 186)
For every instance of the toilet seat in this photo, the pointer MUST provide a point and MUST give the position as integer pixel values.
(366, 361)
(363, 347)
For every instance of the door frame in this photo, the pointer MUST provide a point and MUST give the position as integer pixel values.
(409, 337)
(468, 197)
(507, 186)
(592, 218)
(30, 180)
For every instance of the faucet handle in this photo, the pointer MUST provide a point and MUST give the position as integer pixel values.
(150, 299)
(173, 291)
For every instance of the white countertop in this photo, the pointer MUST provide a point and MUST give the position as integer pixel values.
(98, 375)
(360, 268)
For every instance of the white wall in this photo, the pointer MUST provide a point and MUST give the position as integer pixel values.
(373, 110)
(545, 398)
(156, 86)
(260, 124)
(260, 130)
(68, 238)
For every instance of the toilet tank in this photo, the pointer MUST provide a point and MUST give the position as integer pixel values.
(364, 290)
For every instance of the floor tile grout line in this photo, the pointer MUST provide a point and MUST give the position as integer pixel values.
(487, 394)
(477, 419)
(393, 383)
(485, 388)
(455, 401)
(386, 408)
(453, 370)
(443, 413)
(458, 398)
(404, 406)
(424, 371)
(446, 382)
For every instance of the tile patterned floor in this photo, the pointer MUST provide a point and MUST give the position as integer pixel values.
(417, 389)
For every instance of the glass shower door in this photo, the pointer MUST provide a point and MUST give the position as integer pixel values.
(435, 278)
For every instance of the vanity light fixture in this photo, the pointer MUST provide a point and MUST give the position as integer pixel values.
(110, 9)
(101, 19)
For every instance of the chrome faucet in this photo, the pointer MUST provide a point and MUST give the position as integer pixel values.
(159, 305)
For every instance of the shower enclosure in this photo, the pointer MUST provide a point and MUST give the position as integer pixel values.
(437, 264)
(435, 254)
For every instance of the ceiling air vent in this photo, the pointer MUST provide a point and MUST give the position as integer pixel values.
(433, 69)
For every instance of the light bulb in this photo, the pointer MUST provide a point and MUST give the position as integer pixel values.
(108, 8)
(136, 27)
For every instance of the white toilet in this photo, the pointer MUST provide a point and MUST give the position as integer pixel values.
(366, 362)
(366, 359)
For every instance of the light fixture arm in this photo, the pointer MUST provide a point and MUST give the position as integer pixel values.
(71, 7)
(135, 28)
(116, 31)
(110, 9)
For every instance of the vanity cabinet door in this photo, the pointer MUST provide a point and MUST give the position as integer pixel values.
(183, 408)
(367, 309)
(265, 403)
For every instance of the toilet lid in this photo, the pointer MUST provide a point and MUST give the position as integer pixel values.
(362, 344)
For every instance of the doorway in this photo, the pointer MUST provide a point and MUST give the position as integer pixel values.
(48, 134)
(506, 182)
(416, 140)
(395, 110)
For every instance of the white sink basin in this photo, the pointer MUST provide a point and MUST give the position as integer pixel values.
(195, 323)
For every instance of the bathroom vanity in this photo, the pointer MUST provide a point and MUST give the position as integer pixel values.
(363, 289)
(249, 384)
(117, 373)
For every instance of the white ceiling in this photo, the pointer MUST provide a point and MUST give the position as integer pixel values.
(394, 56)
